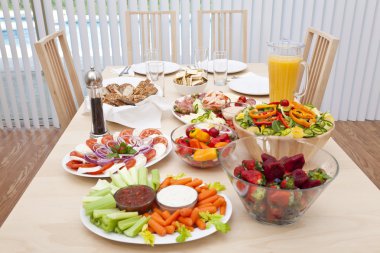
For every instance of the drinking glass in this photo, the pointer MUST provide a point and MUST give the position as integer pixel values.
(155, 73)
(201, 58)
(220, 67)
(150, 55)
(285, 70)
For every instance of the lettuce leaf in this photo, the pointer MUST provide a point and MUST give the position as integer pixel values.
(178, 176)
(147, 235)
(184, 233)
(216, 220)
(217, 186)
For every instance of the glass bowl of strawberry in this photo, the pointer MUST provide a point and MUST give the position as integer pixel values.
(277, 189)
(199, 144)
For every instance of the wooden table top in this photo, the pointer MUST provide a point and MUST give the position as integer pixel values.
(345, 218)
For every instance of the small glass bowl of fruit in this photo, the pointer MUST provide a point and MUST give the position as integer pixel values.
(199, 144)
(277, 190)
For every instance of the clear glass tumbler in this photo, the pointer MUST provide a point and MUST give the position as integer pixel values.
(201, 59)
(155, 73)
(220, 67)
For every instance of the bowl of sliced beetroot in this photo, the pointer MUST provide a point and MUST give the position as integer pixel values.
(277, 187)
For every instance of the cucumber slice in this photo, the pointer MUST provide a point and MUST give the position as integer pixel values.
(308, 132)
(317, 131)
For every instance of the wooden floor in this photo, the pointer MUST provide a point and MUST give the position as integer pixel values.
(24, 151)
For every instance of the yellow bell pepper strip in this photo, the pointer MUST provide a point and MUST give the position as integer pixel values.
(194, 132)
(303, 108)
(300, 113)
(299, 121)
(194, 143)
(263, 106)
(202, 155)
(221, 144)
(202, 136)
(262, 115)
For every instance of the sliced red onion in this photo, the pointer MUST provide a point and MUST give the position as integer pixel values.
(102, 152)
(91, 158)
(103, 162)
(111, 143)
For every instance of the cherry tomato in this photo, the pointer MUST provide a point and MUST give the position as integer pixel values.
(90, 143)
(107, 138)
(242, 99)
(160, 139)
(148, 132)
(150, 154)
(213, 132)
(188, 130)
(184, 151)
(284, 102)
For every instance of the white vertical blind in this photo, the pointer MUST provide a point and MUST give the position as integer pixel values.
(96, 32)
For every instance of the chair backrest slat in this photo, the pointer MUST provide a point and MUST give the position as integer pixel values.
(221, 19)
(322, 59)
(151, 35)
(55, 75)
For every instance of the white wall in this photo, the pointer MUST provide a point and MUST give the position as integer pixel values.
(353, 91)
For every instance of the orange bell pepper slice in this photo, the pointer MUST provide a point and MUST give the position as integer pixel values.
(194, 143)
(221, 144)
(299, 121)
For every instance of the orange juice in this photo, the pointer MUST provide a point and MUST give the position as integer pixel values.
(283, 76)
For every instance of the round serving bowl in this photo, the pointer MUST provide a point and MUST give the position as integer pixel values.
(281, 145)
(189, 90)
(269, 204)
(186, 153)
(135, 198)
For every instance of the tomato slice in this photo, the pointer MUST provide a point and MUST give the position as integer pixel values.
(130, 163)
(90, 143)
(148, 132)
(107, 138)
(74, 165)
(102, 169)
(77, 154)
(150, 154)
(160, 139)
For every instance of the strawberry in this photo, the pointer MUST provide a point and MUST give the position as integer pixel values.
(318, 174)
(273, 170)
(287, 183)
(310, 183)
(300, 177)
(265, 156)
(279, 198)
(238, 170)
(249, 164)
(294, 162)
(253, 177)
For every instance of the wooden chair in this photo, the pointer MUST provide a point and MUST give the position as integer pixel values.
(55, 76)
(322, 58)
(221, 17)
(150, 24)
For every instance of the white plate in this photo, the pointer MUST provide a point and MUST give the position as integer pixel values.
(250, 85)
(66, 159)
(233, 66)
(131, 80)
(167, 239)
(169, 67)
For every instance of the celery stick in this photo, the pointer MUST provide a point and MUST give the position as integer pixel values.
(88, 199)
(102, 212)
(118, 230)
(117, 181)
(105, 202)
(126, 176)
(143, 176)
(150, 184)
(100, 185)
(102, 192)
(127, 223)
(134, 175)
(121, 215)
(108, 224)
(136, 228)
(155, 179)
(96, 221)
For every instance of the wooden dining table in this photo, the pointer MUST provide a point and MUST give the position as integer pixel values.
(345, 218)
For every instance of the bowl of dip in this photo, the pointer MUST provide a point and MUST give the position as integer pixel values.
(176, 197)
(135, 198)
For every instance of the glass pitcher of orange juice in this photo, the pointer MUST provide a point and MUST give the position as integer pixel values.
(285, 65)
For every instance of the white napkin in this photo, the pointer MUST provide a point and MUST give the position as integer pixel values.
(146, 114)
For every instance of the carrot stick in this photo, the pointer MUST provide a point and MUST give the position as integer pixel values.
(146, 214)
(200, 224)
(204, 205)
(206, 194)
(174, 216)
(177, 224)
(219, 202)
(196, 182)
(151, 229)
(157, 227)
(170, 229)
(156, 210)
(165, 214)
(194, 214)
(210, 209)
(208, 200)
(165, 183)
(158, 218)
(186, 220)
(223, 209)
(198, 189)
(181, 181)
(185, 212)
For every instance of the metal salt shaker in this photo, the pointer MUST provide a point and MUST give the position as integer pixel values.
(94, 85)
